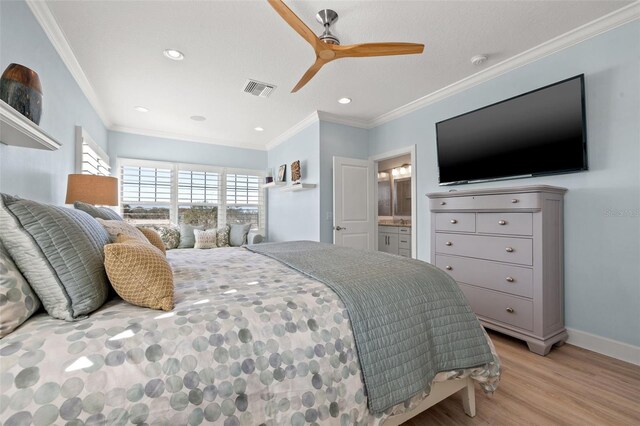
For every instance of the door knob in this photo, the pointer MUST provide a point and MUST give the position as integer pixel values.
(339, 228)
(448, 243)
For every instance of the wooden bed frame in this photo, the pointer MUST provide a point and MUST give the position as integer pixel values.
(440, 391)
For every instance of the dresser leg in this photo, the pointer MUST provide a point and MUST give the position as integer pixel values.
(542, 347)
(539, 347)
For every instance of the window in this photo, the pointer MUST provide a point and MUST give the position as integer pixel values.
(243, 199)
(198, 197)
(90, 158)
(163, 193)
(145, 194)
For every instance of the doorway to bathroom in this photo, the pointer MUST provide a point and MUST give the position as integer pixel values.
(395, 193)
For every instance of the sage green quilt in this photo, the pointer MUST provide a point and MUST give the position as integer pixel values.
(410, 320)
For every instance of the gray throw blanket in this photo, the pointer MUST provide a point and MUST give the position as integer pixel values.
(410, 320)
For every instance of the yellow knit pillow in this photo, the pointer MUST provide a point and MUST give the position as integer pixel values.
(139, 273)
(154, 238)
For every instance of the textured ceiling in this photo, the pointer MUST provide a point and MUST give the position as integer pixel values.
(119, 46)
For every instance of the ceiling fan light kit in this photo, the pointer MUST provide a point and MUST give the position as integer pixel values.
(327, 46)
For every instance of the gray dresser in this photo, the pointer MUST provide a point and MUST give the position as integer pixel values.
(504, 247)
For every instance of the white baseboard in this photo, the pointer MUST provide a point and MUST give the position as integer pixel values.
(613, 348)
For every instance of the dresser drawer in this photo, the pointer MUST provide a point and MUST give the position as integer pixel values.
(505, 223)
(529, 201)
(404, 242)
(507, 309)
(463, 222)
(502, 249)
(483, 273)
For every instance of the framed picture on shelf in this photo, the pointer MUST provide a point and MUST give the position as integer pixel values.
(282, 173)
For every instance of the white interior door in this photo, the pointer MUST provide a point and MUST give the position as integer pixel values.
(353, 202)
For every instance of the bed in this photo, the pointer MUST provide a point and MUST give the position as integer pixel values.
(250, 341)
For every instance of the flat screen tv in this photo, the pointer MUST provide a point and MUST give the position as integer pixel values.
(538, 133)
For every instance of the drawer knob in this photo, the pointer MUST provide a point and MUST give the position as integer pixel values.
(442, 203)
(509, 249)
(502, 222)
(454, 221)
(510, 310)
(510, 279)
(448, 268)
(514, 201)
(448, 243)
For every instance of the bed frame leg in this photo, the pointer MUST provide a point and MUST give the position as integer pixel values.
(469, 399)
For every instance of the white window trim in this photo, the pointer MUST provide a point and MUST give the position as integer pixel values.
(176, 167)
(83, 137)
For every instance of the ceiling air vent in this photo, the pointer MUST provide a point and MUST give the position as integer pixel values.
(257, 88)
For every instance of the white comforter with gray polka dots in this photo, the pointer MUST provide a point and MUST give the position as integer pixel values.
(250, 342)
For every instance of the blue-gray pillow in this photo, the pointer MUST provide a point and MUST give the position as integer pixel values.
(69, 243)
(97, 212)
(187, 237)
(238, 234)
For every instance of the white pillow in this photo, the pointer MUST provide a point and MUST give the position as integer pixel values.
(206, 239)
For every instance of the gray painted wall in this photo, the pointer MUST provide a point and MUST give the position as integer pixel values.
(602, 227)
(127, 145)
(296, 215)
(32, 173)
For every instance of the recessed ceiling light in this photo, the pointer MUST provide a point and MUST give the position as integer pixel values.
(198, 118)
(174, 55)
(258, 129)
(141, 108)
(344, 101)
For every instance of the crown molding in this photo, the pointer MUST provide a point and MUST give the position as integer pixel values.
(57, 38)
(591, 29)
(304, 123)
(187, 138)
(340, 119)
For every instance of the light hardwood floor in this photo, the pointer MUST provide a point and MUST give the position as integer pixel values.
(570, 386)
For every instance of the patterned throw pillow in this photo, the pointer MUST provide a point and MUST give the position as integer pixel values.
(120, 227)
(170, 236)
(17, 301)
(187, 237)
(154, 238)
(139, 273)
(97, 212)
(206, 239)
(223, 236)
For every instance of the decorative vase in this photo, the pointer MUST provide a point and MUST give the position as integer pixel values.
(20, 88)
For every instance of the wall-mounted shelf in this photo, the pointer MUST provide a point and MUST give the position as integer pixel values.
(299, 187)
(273, 184)
(18, 130)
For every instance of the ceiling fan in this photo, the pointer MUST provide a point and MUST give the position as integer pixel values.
(327, 46)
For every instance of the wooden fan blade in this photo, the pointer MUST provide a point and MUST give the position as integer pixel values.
(295, 23)
(309, 74)
(377, 49)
